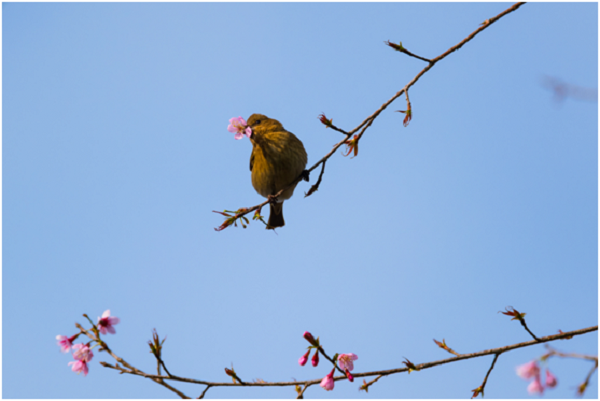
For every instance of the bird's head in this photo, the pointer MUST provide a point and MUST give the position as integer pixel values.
(261, 124)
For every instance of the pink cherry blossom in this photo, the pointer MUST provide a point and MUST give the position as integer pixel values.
(550, 379)
(106, 322)
(535, 387)
(327, 383)
(240, 127)
(345, 361)
(528, 370)
(82, 352)
(315, 359)
(65, 343)
(302, 361)
(79, 366)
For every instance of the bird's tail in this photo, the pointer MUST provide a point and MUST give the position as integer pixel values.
(276, 216)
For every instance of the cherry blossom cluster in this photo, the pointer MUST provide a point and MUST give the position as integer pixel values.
(344, 362)
(532, 370)
(82, 353)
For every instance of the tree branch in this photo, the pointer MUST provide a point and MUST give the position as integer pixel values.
(240, 213)
(307, 383)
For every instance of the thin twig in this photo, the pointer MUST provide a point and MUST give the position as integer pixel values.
(366, 385)
(173, 389)
(301, 394)
(555, 352)
(330, 360)
(482, 387)
(164, 367)
(527, 328)
(315, 187)
(586, 383)
(204, 392)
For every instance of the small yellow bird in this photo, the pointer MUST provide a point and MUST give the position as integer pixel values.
(277, 159)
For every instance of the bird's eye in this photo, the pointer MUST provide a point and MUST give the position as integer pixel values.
(257, 122)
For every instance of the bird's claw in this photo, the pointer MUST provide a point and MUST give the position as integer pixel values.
(305, 175)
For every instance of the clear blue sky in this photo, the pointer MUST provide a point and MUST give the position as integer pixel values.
(116, 152)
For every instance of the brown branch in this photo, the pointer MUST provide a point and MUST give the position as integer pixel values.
(159, 360)
(581, 388)
(369, 120)
(132, 369)
(301, 393)
(366, 385)
(402, 49)
(155, 380)
(421, 366)
(529, 331)
(435, 60)
(482, 387)
(555, 352)
(173, 389)
(315, 187)
(204, 392)
(414, 55)
(516, 315)
(330, 360)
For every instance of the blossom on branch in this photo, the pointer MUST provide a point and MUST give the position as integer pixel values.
(536, 387)
(83, 354)
(309, 337)
(65, 343)
(302, 361)
(79, 366)
(106, 323)
(315, 359)
(327, 383)
(346, 361)
(528, 370)
(550, 379)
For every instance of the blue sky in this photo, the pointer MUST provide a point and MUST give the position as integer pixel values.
(116, 152)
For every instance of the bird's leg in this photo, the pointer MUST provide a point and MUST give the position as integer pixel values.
(272, 198)
(305, 175)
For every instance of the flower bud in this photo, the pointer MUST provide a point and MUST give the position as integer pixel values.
(315, 359)
(327, 383)
(309, 337)
(550, 379)
(302, 361)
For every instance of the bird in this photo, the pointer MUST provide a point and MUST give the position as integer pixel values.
(278, 158)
